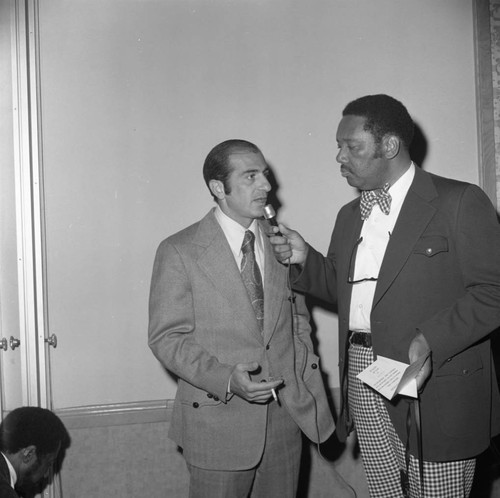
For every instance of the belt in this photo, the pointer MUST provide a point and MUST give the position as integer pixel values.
(360, 338)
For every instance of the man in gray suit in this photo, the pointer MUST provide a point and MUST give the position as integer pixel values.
(249, 381)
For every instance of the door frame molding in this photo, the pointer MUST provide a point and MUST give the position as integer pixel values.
(29, 201)
(485, 100)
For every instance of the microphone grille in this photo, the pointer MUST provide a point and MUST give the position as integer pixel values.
(269, 212)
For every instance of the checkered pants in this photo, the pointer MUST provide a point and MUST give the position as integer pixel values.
(383, 452)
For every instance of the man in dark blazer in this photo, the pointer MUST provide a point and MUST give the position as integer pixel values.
(6, 486)
(31, 439)
(419, 274)
(249, 381)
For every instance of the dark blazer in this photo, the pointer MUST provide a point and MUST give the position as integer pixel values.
(202, 323)
(6, 490)
(440, 275)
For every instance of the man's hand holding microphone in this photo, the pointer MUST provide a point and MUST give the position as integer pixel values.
(288, 245)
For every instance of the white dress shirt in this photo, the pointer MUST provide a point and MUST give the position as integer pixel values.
(375, 234)
(235, 233)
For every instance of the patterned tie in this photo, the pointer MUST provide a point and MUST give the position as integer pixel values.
(252, 277)
(369, 198)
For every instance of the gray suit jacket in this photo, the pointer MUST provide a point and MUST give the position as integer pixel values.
(202, 323)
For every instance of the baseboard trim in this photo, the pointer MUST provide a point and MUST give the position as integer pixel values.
(144, 412)
(141, 412)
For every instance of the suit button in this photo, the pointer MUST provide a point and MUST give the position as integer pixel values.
(216, 398)
(209, 396)
(267, 347)
(196, 405)
(314, 366)
(449, 359)
(465, 371)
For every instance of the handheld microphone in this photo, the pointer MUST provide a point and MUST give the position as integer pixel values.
(270, 215)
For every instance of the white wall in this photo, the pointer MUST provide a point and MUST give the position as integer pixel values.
(10, 360)
(135, 93)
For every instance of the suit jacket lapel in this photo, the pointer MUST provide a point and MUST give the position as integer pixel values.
(350, 235)
(217, 261)
(414, 217)
(4, 471)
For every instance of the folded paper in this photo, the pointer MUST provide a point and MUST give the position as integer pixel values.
(391, 377)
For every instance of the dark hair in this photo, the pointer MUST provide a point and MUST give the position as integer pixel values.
(31, 425)
(383, 115)
(216, 166)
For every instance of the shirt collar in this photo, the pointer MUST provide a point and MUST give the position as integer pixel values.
(235, 232)
(400, 188)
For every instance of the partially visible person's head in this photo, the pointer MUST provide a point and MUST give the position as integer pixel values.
(236, 174)
(31, 439)
(217, 165)
(384, 115)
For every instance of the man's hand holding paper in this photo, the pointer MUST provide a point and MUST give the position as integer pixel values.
(390, 377)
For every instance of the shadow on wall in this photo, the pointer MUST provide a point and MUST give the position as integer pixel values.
(419, 146)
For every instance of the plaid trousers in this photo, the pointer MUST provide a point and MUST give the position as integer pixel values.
(383, 453)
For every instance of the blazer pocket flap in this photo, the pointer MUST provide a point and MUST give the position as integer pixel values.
(197, 398)
(462, 365)
(432, 245)
(311, 366)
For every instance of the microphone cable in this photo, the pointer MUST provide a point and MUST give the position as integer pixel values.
(270, 216)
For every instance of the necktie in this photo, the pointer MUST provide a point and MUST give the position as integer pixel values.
(369, 198)
(252, 277)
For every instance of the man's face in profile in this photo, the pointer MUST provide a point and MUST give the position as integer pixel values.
(37, 468)
(361, 159)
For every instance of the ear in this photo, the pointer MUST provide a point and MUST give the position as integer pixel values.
(217, 189)
(391, 146)
(28, 454)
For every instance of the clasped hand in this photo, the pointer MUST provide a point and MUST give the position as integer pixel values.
(242, 385)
